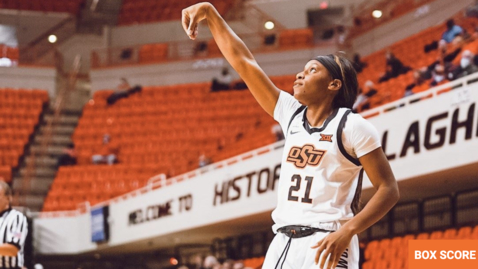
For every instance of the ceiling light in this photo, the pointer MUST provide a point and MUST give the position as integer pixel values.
(269, 25)
(377, 13)
(52, 39)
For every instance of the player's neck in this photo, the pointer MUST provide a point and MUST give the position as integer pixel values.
(316, 115)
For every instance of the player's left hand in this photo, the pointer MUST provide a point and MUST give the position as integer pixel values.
(334, 245)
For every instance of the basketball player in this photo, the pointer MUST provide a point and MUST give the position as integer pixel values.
(316, 218)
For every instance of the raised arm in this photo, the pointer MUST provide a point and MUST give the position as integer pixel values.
(235, 52)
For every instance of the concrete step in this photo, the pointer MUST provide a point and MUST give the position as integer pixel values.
(36, 186)
(63, 130)
(42, 161)
(52, 150)
(69, 120)
(34, 202)
(60, 140)
(42, 171)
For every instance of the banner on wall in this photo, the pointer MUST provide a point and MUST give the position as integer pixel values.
(432, 135)
(242, 189)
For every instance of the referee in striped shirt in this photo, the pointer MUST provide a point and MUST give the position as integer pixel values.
(13, 231)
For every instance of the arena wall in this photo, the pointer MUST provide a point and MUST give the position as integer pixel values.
(201, 70)
(29, 78)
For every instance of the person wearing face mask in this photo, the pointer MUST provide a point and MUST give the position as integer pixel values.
(438, 76)
(466, 65)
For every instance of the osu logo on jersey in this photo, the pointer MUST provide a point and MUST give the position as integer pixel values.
(305, 155)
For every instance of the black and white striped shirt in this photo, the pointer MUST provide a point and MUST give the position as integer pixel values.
(13, 230)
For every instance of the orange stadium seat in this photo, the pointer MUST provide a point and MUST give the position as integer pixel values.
(436, 235)
(371, 250)
(464, 233)
(423, 236)
(450, 233)
(474, 233)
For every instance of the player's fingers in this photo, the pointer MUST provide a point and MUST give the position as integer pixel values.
(333, 261)
(324, 258)
(192, 28)
(185, 20)
(318, 244)
(319, 253)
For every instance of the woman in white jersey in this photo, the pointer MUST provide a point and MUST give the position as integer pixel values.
(326, 150)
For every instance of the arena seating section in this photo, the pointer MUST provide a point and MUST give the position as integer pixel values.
(160, 130)
(392, 253)
(20, 111)
(410, 52)
(165, 129)
(70, 6)
(144, 11)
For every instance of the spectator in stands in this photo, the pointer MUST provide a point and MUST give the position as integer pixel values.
(68, 157)
(203, 160)
(452, 31)
(107, 152)
(341, 34)
(223, 82)
(123, 90)
(394, 67)
(438, 76)
(444, 55)
(368, 91)
(418, 80)
(277, 131)
(466, 66)
(358, 64)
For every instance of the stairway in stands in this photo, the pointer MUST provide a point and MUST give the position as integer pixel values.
(33, 190)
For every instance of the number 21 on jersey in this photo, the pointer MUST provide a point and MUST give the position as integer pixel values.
(295, 187)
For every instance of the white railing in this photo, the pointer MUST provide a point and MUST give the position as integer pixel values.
(160, 180)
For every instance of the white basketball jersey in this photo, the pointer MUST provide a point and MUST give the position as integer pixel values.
(319, 180)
